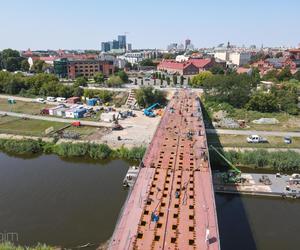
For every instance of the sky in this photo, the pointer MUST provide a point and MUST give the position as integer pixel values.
(84, 24)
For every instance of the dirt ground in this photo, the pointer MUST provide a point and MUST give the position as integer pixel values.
(138, 131)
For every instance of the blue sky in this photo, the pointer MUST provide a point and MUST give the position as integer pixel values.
(79, 24)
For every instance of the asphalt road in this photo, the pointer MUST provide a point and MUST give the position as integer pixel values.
(251, 132)
(55, 119)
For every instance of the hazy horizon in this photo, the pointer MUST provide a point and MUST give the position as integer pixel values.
(72, 25)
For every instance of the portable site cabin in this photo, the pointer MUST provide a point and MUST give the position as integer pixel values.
(91, 102)
(53, 111)
(73, 100)
(69, 113)
(61, 111)
(108, 117)
(79, 113)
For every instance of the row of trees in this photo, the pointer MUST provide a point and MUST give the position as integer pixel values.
(12, 61)
(284, 74)
(37, 85)
(239, 91)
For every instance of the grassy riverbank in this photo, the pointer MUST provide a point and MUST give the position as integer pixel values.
(94, 151)
(280, 160)
(10, 246)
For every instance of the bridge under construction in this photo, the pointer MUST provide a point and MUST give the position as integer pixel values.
(172, 204)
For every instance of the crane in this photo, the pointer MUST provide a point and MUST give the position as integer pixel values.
(149, 111)
(233, 175)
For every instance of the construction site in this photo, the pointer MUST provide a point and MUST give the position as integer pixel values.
(171, 205)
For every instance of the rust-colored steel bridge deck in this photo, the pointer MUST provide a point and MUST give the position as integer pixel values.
(172, 205)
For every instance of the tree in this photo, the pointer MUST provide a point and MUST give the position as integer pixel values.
(271, 75)
(147, 62)
(123, 76)
(38, 66)
(11, 60)
(99, 78)
(175, 79)
(297, 75)
(80, 81)
(198, 80)
(147, 96)
(279, 54)
(233, 89)
(217, 70)
(114, 81)
(285, 74)
(78, 91)
(25, 65)
(263, 102)
(168, 80)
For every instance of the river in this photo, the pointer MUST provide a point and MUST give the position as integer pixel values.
(73, 202)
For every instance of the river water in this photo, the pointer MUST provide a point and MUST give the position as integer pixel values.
(70, 203)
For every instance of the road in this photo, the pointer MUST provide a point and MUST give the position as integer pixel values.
(55, 119)
(297, 150)
(24, 99)
(251, 132)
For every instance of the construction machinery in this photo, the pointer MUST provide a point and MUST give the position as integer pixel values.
(149, 111)
(234, 174)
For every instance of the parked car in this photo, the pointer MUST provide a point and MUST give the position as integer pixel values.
(256, 139)
(61, 99)
(51, 99)
(40, 100)
(287, 139)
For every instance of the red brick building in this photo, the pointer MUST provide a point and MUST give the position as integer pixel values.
(88, 68)
(189, 67)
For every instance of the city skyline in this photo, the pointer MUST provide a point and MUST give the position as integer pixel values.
(69, 25)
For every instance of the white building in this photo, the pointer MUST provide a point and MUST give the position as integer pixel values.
(132, 58)
(239, 58)
(236, 57)
(182, 58)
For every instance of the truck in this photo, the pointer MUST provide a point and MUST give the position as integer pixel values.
(256, 139)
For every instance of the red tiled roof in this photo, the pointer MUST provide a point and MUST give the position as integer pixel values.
(200, 63)
(242, 70)
(171, 64)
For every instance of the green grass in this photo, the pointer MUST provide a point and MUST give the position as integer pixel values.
(240, 141)
(19, 126)
(10, 246)
(82, 130)
(286, 122)
(23, 107)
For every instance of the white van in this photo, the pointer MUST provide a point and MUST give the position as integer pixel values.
(40, 100)
(61, 99)
(51, 99)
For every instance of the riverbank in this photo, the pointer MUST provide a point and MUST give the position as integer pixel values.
(95, 151)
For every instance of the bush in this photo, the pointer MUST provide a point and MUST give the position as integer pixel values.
(280, 161)
(21, 147)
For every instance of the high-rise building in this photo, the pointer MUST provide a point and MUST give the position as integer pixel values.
(129, 47)
(105, 46)
(114, 44)
(187, 43)
(122, 41)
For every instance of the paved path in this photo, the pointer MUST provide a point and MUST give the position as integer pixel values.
(267, 149)
(55, 119)
(25, 99)
(251, 132)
